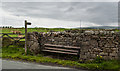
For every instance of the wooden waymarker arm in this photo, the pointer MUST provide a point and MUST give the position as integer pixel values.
(28, 23)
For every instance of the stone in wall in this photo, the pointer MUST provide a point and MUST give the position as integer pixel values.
(32, 42)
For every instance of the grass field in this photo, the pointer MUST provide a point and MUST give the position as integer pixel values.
(8, 30)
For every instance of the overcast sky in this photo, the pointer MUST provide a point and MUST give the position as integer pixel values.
(60, 14)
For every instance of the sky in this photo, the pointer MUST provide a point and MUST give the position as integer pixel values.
(64, 14)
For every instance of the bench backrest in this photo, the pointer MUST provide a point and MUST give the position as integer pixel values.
(62, 49)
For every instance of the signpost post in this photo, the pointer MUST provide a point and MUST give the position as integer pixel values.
(26, 23)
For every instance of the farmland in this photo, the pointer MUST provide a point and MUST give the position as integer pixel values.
(22, 30)
(8, 30)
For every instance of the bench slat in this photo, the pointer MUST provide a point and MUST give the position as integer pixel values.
(59, 52)
(51, 48)
(61, 46)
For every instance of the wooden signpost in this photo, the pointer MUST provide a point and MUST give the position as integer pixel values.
(26, 23)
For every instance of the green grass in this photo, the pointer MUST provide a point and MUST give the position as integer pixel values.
(6, 30)
(17, 53)
(117, 30)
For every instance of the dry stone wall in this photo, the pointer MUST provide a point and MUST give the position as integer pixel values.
(33, 42)
(92, 43)
(105, 44)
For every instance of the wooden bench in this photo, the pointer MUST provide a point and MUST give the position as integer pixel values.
(62, 49)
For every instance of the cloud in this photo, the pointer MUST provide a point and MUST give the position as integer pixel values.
(60, 0)
(61, 14)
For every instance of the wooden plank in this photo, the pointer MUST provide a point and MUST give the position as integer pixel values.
(7, 35)
(13, 34)
(59, 52)
(76, 51)
(71, 47)
(63, 47)
(18, 37)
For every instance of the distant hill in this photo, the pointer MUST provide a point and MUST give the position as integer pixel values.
(100, 27)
